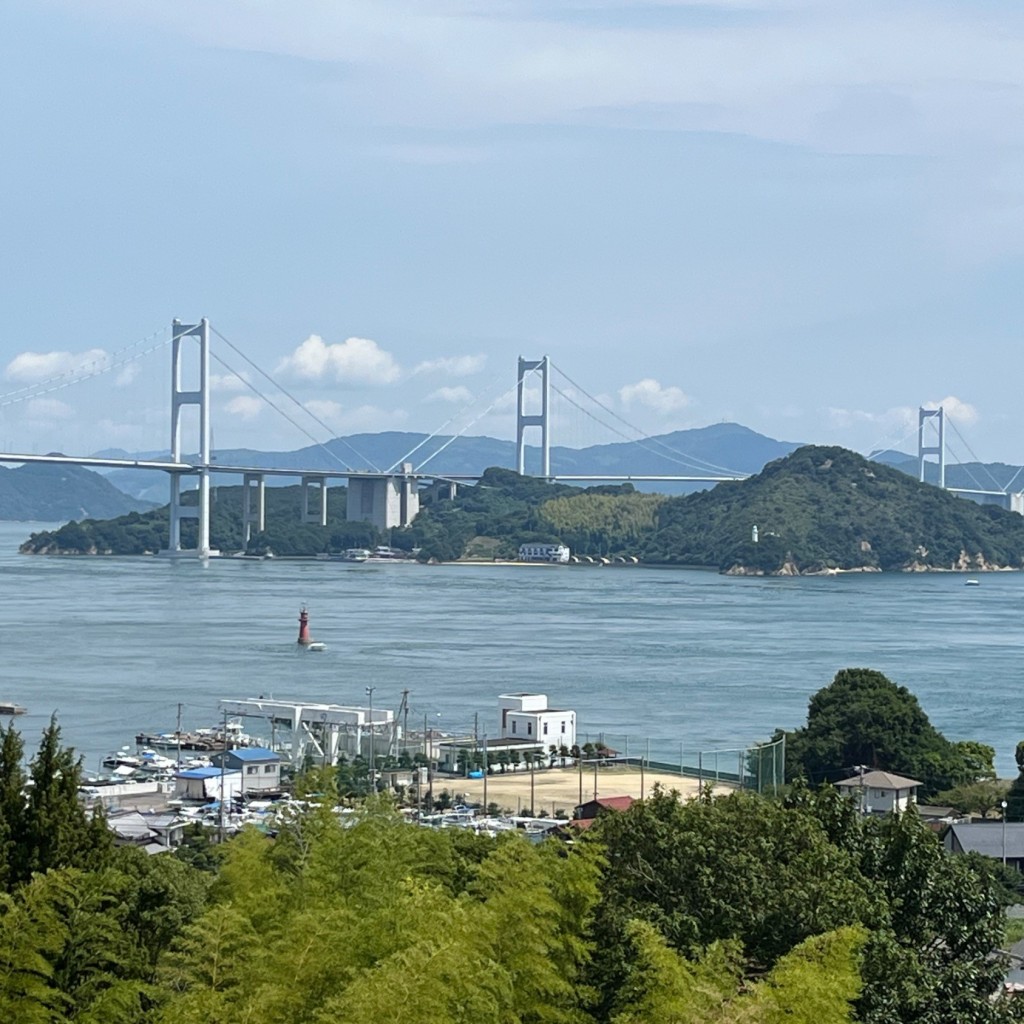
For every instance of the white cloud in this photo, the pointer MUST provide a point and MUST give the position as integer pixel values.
(128, 373)
(453, 366)
(459, 395)
(959, 412)
(324, 409)
(229, 381)
(898, 417)
(354, 360)
(49, 409)
(649, 393)
(246, 407)
(31, 367)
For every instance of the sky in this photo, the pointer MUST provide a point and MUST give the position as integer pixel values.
(805, 217)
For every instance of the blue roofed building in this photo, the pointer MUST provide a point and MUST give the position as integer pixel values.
(205, 784)
(260, 768)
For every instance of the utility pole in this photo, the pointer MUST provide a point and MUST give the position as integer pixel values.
(223, 761)
(373, 777)
(579, 761)
(485, 773)
(178, 737)
(533, 764)
(405, 719)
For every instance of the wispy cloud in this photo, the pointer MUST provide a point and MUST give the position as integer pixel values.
(246, 407)
(48, 410)
(459, 395)
(32, 367)
(453, 366)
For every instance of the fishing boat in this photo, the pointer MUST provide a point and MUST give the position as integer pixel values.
(972, 583)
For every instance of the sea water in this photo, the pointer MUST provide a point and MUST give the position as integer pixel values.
(687, 659)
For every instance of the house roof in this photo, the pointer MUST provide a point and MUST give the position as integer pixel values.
(879, 780)
(254, 754)
(609, 803)
(198, 773)
(987, 838)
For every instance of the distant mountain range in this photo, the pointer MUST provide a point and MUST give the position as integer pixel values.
(41, 493)
(723, 449)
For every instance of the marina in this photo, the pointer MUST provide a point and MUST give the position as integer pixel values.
(677, 656)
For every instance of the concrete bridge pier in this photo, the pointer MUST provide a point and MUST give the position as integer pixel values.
(317, 516)
(254, 508)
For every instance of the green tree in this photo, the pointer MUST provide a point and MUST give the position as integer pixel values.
(12, 807)
(862, 718)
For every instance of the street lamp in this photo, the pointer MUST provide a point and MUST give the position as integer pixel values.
(1003, 805)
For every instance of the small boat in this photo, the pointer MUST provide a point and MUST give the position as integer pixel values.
(7, 708)
(316, 645)
(972, 583)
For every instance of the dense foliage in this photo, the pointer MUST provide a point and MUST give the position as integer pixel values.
(828, 508)
(864, 719)
(728, 910)
(509, 510)
(142, 533)
(816, 510)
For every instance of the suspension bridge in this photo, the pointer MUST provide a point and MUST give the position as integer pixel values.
(386, 497)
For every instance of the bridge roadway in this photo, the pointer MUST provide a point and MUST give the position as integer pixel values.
(185, 468)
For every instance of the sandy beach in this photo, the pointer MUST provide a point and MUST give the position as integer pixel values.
(558, 789)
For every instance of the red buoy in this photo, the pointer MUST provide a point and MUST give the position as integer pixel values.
(304, 637)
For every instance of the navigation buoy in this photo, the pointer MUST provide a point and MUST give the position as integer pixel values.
(304, 638)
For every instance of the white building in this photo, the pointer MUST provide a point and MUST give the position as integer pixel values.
(880, 792)
(526, 716)
(543, 553)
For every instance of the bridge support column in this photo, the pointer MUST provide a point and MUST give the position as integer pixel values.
(181, 397)
(319, 515)
(939, 449)
(543, 420)
(254, 509)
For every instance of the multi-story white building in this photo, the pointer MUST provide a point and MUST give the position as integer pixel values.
(543, 553)
(526, 716)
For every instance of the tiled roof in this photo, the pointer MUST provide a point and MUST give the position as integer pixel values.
(879, 780)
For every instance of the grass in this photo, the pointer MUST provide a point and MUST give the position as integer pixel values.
(1013, 930)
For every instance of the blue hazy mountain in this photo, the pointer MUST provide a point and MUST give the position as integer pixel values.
(723, 449)
(43, 493)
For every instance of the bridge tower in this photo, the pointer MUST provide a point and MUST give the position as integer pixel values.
(181, 397)
(923, 415)
(543, 420)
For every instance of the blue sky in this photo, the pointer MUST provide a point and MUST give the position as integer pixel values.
(805, 217)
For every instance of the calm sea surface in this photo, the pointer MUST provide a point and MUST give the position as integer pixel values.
(686, 658)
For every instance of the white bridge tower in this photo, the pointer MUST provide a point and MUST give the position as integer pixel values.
(543, 420)
(181, 397)
(923, 415)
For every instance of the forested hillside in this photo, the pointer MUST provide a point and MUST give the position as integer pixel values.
(817, 510)
(137, 534)
(830, 508)
(56, 493)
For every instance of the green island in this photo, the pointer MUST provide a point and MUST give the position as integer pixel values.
(818, 510)
(727, 908)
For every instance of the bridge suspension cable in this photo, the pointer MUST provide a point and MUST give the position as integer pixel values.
(476, 419)
(252, 387)
(93, 368)
(970, 451)
(674, 455)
